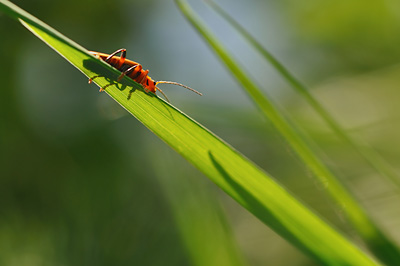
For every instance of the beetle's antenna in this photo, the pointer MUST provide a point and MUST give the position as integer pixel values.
(179, 84)
(165, 96)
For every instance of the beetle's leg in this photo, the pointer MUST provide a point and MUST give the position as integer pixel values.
(142, 77)
(128, 71)
(92, 78)
(121, 59)
(105, 87)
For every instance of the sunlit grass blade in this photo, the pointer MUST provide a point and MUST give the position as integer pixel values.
(237, 176)
(381, 245)
(370, 156)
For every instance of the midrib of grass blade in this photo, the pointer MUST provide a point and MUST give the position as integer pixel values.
(379, 243)
(235, 174)
(371, 157)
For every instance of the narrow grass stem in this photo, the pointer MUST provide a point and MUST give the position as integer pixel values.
(371, 157)
(379, 243)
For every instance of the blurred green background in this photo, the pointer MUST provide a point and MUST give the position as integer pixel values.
(84, 183)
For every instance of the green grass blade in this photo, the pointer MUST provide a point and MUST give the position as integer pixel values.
(236, 175)
(382, 246)
(371, 157)
(198, 214)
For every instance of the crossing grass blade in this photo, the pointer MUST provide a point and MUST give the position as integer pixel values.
(370, 156)
(378, 242)
(254, 189)
(386, 250)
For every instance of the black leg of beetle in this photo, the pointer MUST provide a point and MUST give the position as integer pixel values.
(126, 72)
(122, 51)
(105, 87)
(92, 78)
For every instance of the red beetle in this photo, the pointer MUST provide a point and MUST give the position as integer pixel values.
(133, 70)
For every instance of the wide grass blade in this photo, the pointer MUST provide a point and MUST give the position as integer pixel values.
(236, 175)
(381, 245)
